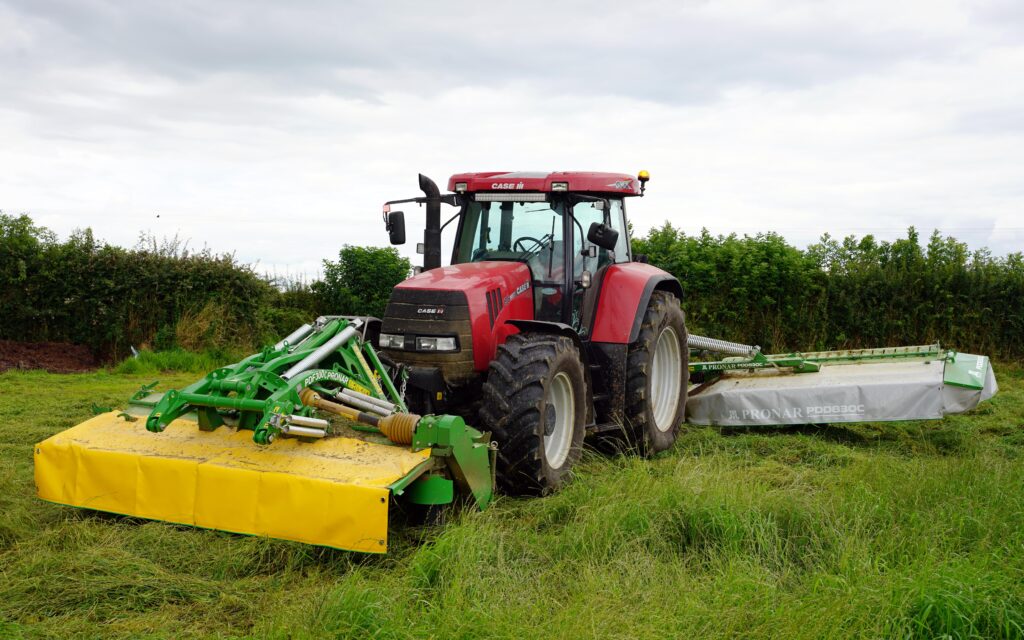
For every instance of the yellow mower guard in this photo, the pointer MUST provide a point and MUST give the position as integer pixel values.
(332, 492)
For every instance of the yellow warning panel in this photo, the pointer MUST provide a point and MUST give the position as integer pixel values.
(331, 492)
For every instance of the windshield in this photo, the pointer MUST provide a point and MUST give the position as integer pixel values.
(529, 232)
(534, 233)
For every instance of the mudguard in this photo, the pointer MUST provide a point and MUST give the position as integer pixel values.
(624, 293)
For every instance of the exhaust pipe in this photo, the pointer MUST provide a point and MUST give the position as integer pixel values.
(432, 232)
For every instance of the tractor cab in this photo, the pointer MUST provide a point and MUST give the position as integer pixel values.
(564, 226)
(550, 237)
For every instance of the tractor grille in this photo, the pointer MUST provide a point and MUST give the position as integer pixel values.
(419, 312)
(494, 304)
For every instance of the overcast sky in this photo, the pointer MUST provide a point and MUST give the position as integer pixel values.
(276, 129)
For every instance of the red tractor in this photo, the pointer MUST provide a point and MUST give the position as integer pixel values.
(545, 328)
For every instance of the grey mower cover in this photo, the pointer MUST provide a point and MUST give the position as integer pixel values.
(918, 389)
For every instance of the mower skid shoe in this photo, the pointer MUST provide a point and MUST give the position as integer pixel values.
(333, 492)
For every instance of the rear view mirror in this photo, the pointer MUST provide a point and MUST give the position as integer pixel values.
(396, 227)
(603, 236)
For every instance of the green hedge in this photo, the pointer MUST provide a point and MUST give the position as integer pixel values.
(110, 298)
(758, 290)
(161, 296)
(845, 294)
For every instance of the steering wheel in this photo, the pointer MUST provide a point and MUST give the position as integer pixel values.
(537, 244)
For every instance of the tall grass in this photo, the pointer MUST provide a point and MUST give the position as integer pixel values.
(897, 530)
(176, 360)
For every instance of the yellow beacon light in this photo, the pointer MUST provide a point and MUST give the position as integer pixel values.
(643, 177)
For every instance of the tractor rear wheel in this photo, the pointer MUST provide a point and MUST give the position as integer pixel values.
(534, 405)
(657, 373)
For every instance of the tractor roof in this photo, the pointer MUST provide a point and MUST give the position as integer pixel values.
(591, 181)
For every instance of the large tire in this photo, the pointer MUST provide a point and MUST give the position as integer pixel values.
(534, 405)
(657, 373)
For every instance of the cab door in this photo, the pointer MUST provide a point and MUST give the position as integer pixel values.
(590, 258)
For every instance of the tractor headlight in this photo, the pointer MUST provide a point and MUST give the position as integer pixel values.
(392, 341)
(436, 344)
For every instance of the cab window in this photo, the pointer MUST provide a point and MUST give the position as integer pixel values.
(587, 213)
(529, 232)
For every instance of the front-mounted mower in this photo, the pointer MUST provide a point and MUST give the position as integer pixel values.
(249, 449)
(544, 331)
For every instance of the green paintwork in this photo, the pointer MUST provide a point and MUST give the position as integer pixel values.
(965, 370)
(469, 453)
(255, 390)
(389, 386)
(759, 361)
(431, 489)
(399, 486)
(810, 362)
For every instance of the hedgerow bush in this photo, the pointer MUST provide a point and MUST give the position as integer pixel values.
(849, 293)
(111, 298)
(160, 295)
(846, 293)
(360, 282)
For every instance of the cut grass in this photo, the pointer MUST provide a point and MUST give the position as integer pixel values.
(910, 530)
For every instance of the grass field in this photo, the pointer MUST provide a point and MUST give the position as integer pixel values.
(873, 531)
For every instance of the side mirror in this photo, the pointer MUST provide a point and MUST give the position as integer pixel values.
(603, 236)
(396, 227)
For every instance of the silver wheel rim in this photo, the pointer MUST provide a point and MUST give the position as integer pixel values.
(666, 379)
(563, 403)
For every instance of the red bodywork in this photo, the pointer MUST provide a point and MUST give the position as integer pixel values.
(498, 292)
(476, 279)
(625, 291)
(588, 181)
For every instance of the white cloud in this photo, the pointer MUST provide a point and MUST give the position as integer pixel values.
(277, 133)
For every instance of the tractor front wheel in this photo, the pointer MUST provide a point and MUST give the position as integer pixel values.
(534, 405)
(657, 369)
